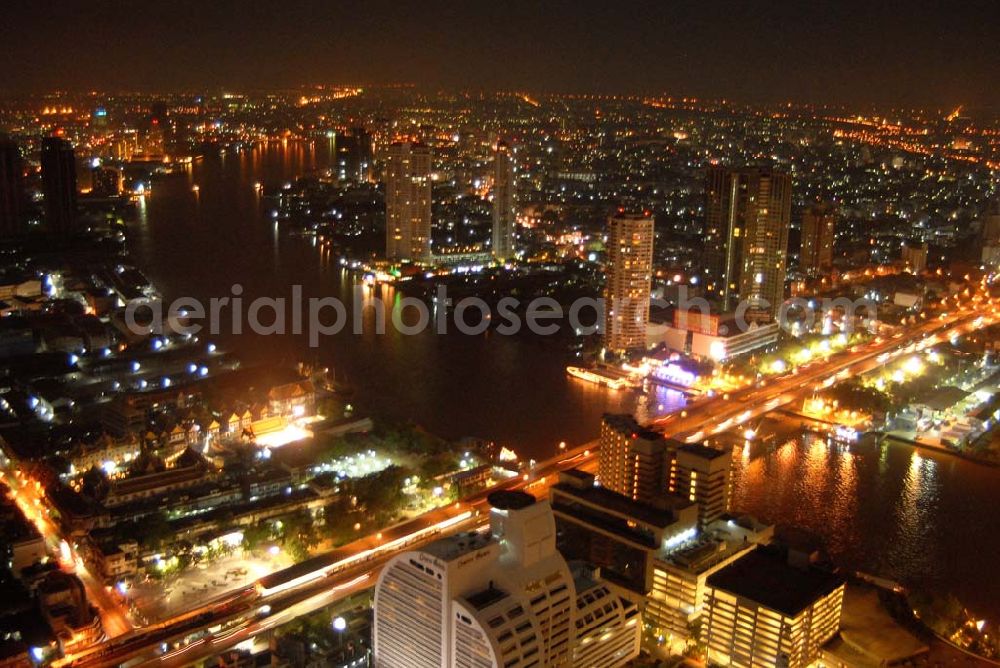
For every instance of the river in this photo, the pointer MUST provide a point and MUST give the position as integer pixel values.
(889, 511)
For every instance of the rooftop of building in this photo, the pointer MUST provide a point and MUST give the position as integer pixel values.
(721, 540)
(626, 424)
(701, 555)
(581, 486)
(579, 476)
(623, 214)
(703, 451)
(765, 577)
(747, 522)
(510, 500)
(458, 545)
(189, 466)
(293, 390)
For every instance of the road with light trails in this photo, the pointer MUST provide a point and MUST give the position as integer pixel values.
(299, 589)
(29, 497)
(345, 585)
(713, 415)
(247, 629)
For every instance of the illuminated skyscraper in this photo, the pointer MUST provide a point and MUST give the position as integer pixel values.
(157, 130)
(643, 465)
(747, 218)
(629, 276)
(11, 188)
(59, 185)
(408, 202)
(503, 598)
(632, 459)
(504, 214)
(99, 119)
(819, 223)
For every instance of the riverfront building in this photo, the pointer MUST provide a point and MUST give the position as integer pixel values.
(644, 466)
(629, 281)
(408, 202)
(763, 611)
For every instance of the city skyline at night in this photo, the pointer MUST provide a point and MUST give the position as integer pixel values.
(573, 335)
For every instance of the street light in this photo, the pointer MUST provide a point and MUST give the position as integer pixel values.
(340, 625)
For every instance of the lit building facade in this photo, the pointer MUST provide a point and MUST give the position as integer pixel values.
(631, 459)
(653, 554)
(354, 155)
(504, 213)
(105, 181)
(607, 627)
(676, 598)
(703, 475)
(819, 225)
(712, 337)
(629, 276)
(643, 466)
(507, 598)
(762, 611)
(747, 220)
(408, 202)
(989, 253)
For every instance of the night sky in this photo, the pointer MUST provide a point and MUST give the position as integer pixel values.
(886, 53)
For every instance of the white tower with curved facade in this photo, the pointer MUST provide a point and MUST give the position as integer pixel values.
(477, 600)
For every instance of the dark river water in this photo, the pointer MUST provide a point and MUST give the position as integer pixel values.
(888, 511)
(510, 389)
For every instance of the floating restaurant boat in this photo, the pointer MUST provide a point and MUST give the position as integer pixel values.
(594, 376)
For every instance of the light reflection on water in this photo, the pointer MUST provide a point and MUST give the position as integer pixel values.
(512, 389)
(915, 512)
(887, 510)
